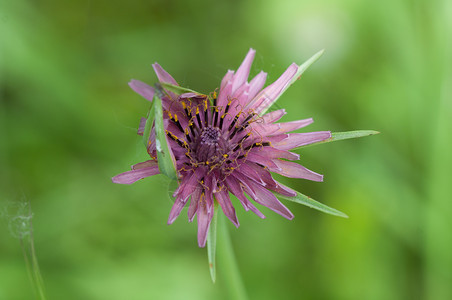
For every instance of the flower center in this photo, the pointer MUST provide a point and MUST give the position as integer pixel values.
(210, 135)
(208, 146)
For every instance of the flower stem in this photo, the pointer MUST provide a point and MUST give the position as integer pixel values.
(31, 261)
(228, 263)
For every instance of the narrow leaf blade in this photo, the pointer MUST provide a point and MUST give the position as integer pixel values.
(308, 201)
(177, 89)
(149, 123)
(303, 67)
(166, 161)
(212, 243)
(337, 136)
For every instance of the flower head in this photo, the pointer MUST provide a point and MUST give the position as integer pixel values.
(225, 144)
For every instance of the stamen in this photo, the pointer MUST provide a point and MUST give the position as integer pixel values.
(234, 132)
(205, 112)
(234, 121)
(258, 145)
(221, 120)
(214, 98)
(215, 117)
(186, 109)
(187, 134)
(227, 106)
(190, 126)
(198, 117)
(248, 118)
(181, 143)
(241, 141)
(176, 121)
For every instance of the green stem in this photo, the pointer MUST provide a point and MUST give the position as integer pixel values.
(31, 261)
(228, 263)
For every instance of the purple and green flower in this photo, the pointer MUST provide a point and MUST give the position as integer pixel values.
(226, 143)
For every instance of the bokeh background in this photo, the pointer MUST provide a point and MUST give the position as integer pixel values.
(68, 124)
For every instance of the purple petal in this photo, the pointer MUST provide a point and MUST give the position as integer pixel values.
(243, 71)
(162, 75)
(294, 140)
(265, 161)
(250, 172)
(142, 89)
(265, 129)
(294, 170)
(284, 190)
(165, 77)
(226, 79)
(142, 126)
(271, 93)
(224, 93)
(204, 214)
(256, 85)
(178, 205)
(264, 197)
(271, 153)
(189, 184)
(134, 175)
(145, 164)
(274, 116)
(265, 178)
(294, 125)
(227, 207)
(235, 188)
(193, 208)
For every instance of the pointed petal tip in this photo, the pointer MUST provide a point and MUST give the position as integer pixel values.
(236, 223)
(202, 241)
(115, 179)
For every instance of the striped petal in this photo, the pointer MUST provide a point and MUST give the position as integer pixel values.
(294, 140)
(243, 71)
(266, 198)
(271, 93)
(205, 214)
(294, 170)
(235, 188)
(135, 175)
(142, 89)
(256, 85)
(227, 207)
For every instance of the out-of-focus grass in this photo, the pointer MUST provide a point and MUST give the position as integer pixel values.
(68, 123)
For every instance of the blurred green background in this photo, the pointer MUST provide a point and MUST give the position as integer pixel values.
(68, 124)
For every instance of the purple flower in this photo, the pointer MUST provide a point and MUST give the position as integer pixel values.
(227, 144)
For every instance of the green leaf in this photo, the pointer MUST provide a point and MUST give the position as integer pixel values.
(177, 89)
(337, 136)
(303, 67)
(308, 201)
(149, 123)
(212, 242)
(172, 187)
(166, 161)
